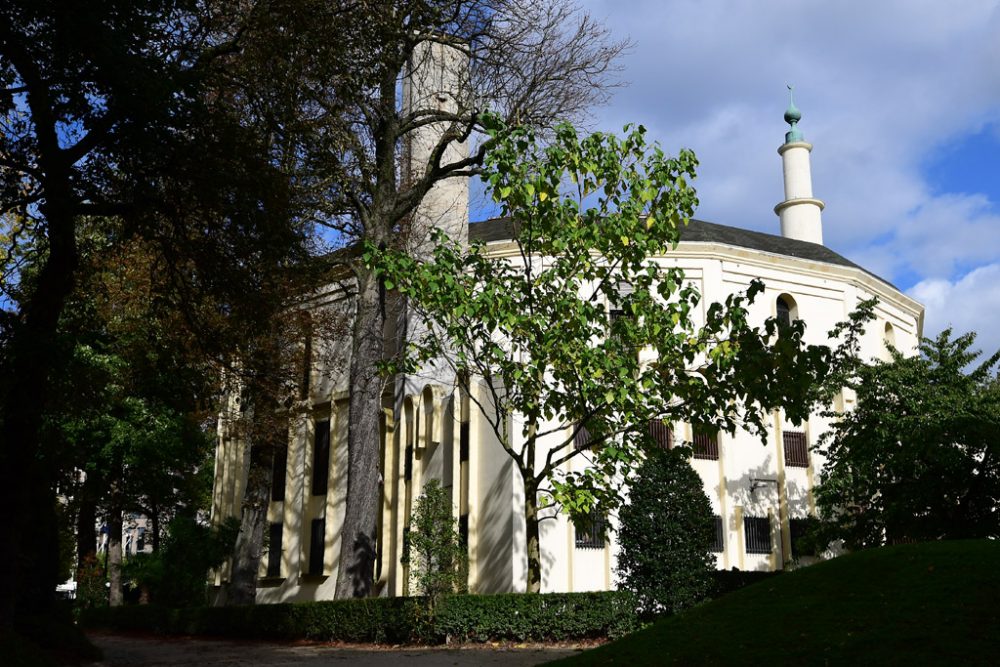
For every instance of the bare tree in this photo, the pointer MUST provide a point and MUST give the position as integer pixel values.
(389, 98)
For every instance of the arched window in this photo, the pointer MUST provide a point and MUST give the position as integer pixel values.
(888, 342)
(785, 307)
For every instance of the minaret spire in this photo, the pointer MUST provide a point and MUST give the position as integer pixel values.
(800, 212)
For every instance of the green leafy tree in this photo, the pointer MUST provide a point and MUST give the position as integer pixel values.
(546, 337)
(436, 554)
(113, 116)
(666, 533)
(175, 575)
(919, 456)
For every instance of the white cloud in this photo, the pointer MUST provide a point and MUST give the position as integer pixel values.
(881, 86)
(970, 303)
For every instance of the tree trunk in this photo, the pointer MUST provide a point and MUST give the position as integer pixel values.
(357, 551)
(242, 589)
(115, 593)
(26, 483)
(534, 573)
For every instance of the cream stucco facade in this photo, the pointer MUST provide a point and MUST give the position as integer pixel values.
(431, 430)
(439, 435)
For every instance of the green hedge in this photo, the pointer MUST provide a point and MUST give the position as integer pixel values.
(461, 618)
(514, 617)
(545, 617)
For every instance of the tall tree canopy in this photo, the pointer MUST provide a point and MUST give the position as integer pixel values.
(116, 115)
(919, 457)
(383, 111)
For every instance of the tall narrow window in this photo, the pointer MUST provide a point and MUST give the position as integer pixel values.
(274, 550)
(757, 533)
(317, 534)
(321, 458)
(719, 544)
(706, 444)
(278, 471)
(796, 449)
(784, 310)
(463, 442)
(661, 433)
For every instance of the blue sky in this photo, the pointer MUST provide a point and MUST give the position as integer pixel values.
(900, 98)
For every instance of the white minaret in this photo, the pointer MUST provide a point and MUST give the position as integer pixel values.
(800, 213)
(436, 86)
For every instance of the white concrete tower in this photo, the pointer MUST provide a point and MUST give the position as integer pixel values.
(800, 212)
(435, 102)
(436, 87)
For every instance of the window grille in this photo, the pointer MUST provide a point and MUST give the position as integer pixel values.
(757, 532)
(274, 551)
(590, 530)
(706, 445)
(720, 542)
(317, 535)
(661, 433)
(321, 458)
(796, 449)
(582, 438)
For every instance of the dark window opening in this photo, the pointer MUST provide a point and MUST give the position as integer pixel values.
(757, 533)
(463, 531)
(408, 463)
(784, 311)
(797, 530)
(279, 472)
(317, 534)
(661, 433)
(706, 445)
(590, 530)
(720, 541)
(796, 449)
(140, 540)
(274, 550)
(582, 438)
(463, 442)
(321, 458)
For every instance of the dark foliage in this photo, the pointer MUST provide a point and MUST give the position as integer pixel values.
(919, 457)
(666, 534)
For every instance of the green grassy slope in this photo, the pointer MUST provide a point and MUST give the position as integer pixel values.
(918, 604)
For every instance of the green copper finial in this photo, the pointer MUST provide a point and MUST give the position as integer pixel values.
(792, 117)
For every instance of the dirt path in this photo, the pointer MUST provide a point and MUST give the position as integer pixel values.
(129, 651)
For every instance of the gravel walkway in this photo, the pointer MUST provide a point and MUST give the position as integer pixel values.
(128, 651)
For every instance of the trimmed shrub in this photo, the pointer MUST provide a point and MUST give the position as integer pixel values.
(535, 617)
(437, 556)
(666, 535)
(514, 617)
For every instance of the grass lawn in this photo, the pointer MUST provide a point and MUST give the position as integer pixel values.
(918, 604)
